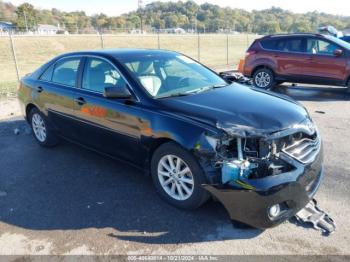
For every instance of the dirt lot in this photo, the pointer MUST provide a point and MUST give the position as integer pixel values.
(68, 200)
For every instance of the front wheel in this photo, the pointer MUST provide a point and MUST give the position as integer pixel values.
(263, 78)
(178, 177)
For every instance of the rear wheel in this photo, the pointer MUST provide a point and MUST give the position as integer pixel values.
(263, 78)
(178, 177)
(42, 131)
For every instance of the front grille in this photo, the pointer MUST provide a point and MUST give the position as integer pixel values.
(304, 150)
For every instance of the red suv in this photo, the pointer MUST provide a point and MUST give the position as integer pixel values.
(298, 58)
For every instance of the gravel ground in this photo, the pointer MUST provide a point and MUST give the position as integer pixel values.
(68, 200)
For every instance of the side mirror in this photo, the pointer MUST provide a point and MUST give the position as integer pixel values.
(338, 52)
(116, 92)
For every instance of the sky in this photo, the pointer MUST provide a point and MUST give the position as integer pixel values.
(117, 7)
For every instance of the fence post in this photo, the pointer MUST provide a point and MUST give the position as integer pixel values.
(158, 39)
(14, 59)
(199, 47)
(227, 62)
(102, 41)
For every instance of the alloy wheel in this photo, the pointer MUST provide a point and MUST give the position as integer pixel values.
(262, 79)
(175, 177)
(39, 127)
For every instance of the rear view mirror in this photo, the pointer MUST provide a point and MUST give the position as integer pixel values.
(338, 52)
(116, 92)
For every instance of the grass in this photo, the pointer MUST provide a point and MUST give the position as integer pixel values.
(33, 51)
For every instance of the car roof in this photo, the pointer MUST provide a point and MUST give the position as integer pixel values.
(122, 52)
(292, 35)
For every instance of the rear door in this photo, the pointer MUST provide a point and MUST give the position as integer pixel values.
(290, 57)
(322, 64)
(56, 91)
(108, 125)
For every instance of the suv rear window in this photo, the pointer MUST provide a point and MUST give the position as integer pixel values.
(284, 44)
(268, 44)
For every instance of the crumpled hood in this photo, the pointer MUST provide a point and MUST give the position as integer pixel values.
(239, 110)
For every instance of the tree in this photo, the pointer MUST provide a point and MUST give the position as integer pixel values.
(26, 17)
(171, 14)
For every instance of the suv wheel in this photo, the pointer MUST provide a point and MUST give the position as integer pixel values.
(263, 78)
(178, 177)
(42, 132)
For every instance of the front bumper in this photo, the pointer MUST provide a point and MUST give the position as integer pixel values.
(293, 189)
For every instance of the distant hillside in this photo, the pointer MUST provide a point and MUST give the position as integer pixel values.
(188, 15)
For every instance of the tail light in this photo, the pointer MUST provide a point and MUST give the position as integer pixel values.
(249, 53)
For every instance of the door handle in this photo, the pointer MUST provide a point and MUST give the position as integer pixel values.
(39, 89)
(80, 101)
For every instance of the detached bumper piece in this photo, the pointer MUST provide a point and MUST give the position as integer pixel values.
(320, 220)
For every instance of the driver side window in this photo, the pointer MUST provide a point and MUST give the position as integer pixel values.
(99, 74)
(320, 47)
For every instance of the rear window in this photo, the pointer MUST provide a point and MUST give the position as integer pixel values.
(65, 71)
(268, 44)
(284, 44)
(47, 75)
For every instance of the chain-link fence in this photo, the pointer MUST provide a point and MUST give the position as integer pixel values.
(21, 54)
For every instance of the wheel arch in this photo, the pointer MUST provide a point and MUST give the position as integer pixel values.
(152, 147)
(347, 83)
(29, 108)
(264, 66)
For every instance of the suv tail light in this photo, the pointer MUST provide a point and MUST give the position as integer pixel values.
(249, 53)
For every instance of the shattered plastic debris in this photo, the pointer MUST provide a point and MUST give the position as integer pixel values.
(320, 220)
(16, 131)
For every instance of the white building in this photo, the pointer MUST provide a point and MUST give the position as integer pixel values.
(47, 29)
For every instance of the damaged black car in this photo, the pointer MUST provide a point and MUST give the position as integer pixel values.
(197, 135)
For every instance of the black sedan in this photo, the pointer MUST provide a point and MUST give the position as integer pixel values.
(195, 133)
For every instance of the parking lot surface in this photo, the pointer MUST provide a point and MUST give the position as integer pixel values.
(68, 200)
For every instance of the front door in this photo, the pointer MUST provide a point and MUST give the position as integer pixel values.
(323, 65)
(108, 125)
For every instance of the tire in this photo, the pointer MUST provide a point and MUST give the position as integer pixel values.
(198, 194)
(41, 129)
(263, 78)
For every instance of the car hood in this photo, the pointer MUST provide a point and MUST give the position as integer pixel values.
(239, 110)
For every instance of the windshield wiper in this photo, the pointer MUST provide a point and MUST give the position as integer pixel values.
(206, 88)
(194, 91)
(173, 95)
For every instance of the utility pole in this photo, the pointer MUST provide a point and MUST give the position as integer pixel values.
(25, 20)
(140, 6)
(195, 24)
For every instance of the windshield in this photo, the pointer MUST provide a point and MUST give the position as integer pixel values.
(168, 75)
(338, 41)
